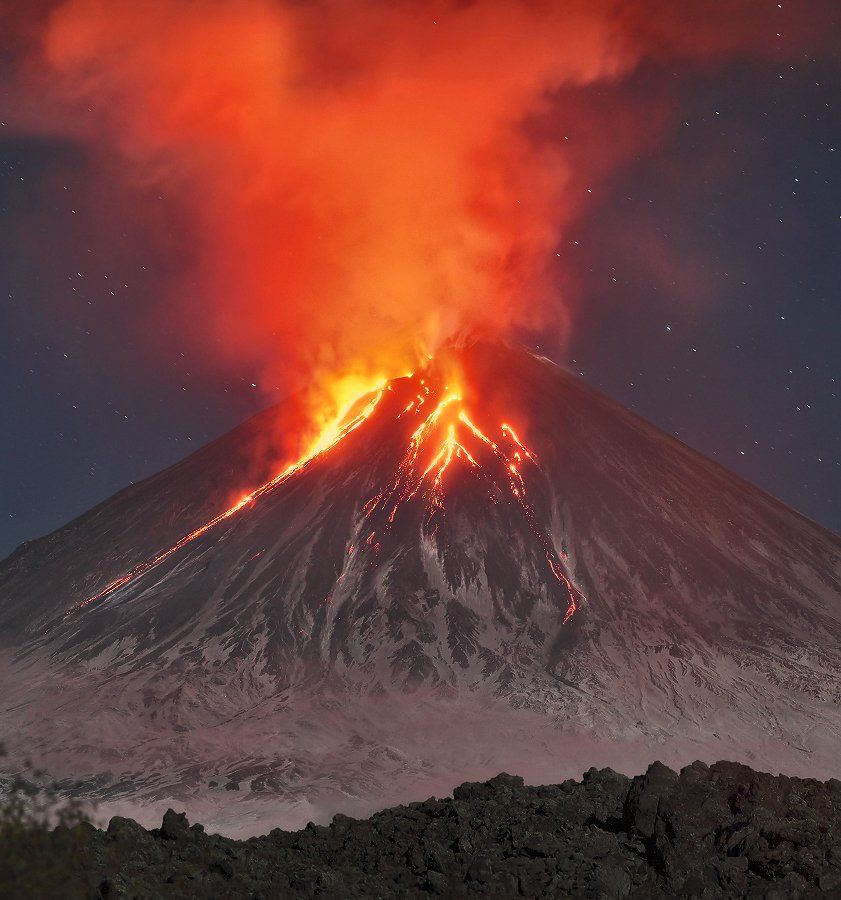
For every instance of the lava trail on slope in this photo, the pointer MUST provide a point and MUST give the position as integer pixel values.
(443, 438)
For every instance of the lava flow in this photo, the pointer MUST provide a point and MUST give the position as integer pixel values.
(331, 436)
(446, 436)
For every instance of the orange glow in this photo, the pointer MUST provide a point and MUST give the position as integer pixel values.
(360, 181)
(330, 419)
(445, 438)
(507, 429)
(356, 179)
(355, 174)
(334, 433)
(442, 438)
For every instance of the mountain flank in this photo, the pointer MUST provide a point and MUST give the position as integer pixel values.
(493, 568)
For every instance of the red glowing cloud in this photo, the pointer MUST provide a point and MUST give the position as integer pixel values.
(365, 179)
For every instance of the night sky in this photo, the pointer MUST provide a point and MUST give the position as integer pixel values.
(707, 273)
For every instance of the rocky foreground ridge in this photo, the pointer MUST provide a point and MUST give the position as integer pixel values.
(708, 831)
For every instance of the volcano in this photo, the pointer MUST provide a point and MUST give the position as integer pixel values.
(487, 566)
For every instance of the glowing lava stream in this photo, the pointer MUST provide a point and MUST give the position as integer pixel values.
(437, 444)
(321, 447)
(411, 476)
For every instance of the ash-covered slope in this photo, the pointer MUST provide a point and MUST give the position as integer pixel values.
(494, 567)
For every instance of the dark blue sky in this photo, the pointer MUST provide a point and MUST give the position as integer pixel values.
(708, 267)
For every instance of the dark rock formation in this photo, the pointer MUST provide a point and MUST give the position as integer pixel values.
(719, 831)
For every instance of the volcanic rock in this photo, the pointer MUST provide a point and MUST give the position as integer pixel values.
(718, 831)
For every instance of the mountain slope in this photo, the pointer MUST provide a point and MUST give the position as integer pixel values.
(489, 544)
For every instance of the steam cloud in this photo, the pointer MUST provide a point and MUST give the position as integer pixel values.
(366, 179)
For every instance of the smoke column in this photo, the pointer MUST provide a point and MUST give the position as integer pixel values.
(364, 180)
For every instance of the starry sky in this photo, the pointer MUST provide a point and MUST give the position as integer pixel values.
(707, 268)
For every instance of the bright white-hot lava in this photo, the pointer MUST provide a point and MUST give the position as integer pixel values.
(445, 438)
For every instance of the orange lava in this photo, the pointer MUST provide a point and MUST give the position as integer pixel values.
(336, 432)
(446, 437)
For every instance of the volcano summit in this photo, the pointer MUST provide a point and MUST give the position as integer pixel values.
(488, 566)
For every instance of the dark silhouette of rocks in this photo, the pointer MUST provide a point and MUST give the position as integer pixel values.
(708, 831)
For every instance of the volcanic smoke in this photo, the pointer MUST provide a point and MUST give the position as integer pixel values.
(361, 181)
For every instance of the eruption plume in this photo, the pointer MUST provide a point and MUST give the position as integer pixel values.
(363, 180)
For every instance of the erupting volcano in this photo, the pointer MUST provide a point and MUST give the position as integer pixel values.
(480, 565)
(437, 447)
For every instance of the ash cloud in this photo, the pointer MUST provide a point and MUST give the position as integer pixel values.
(360, 181)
